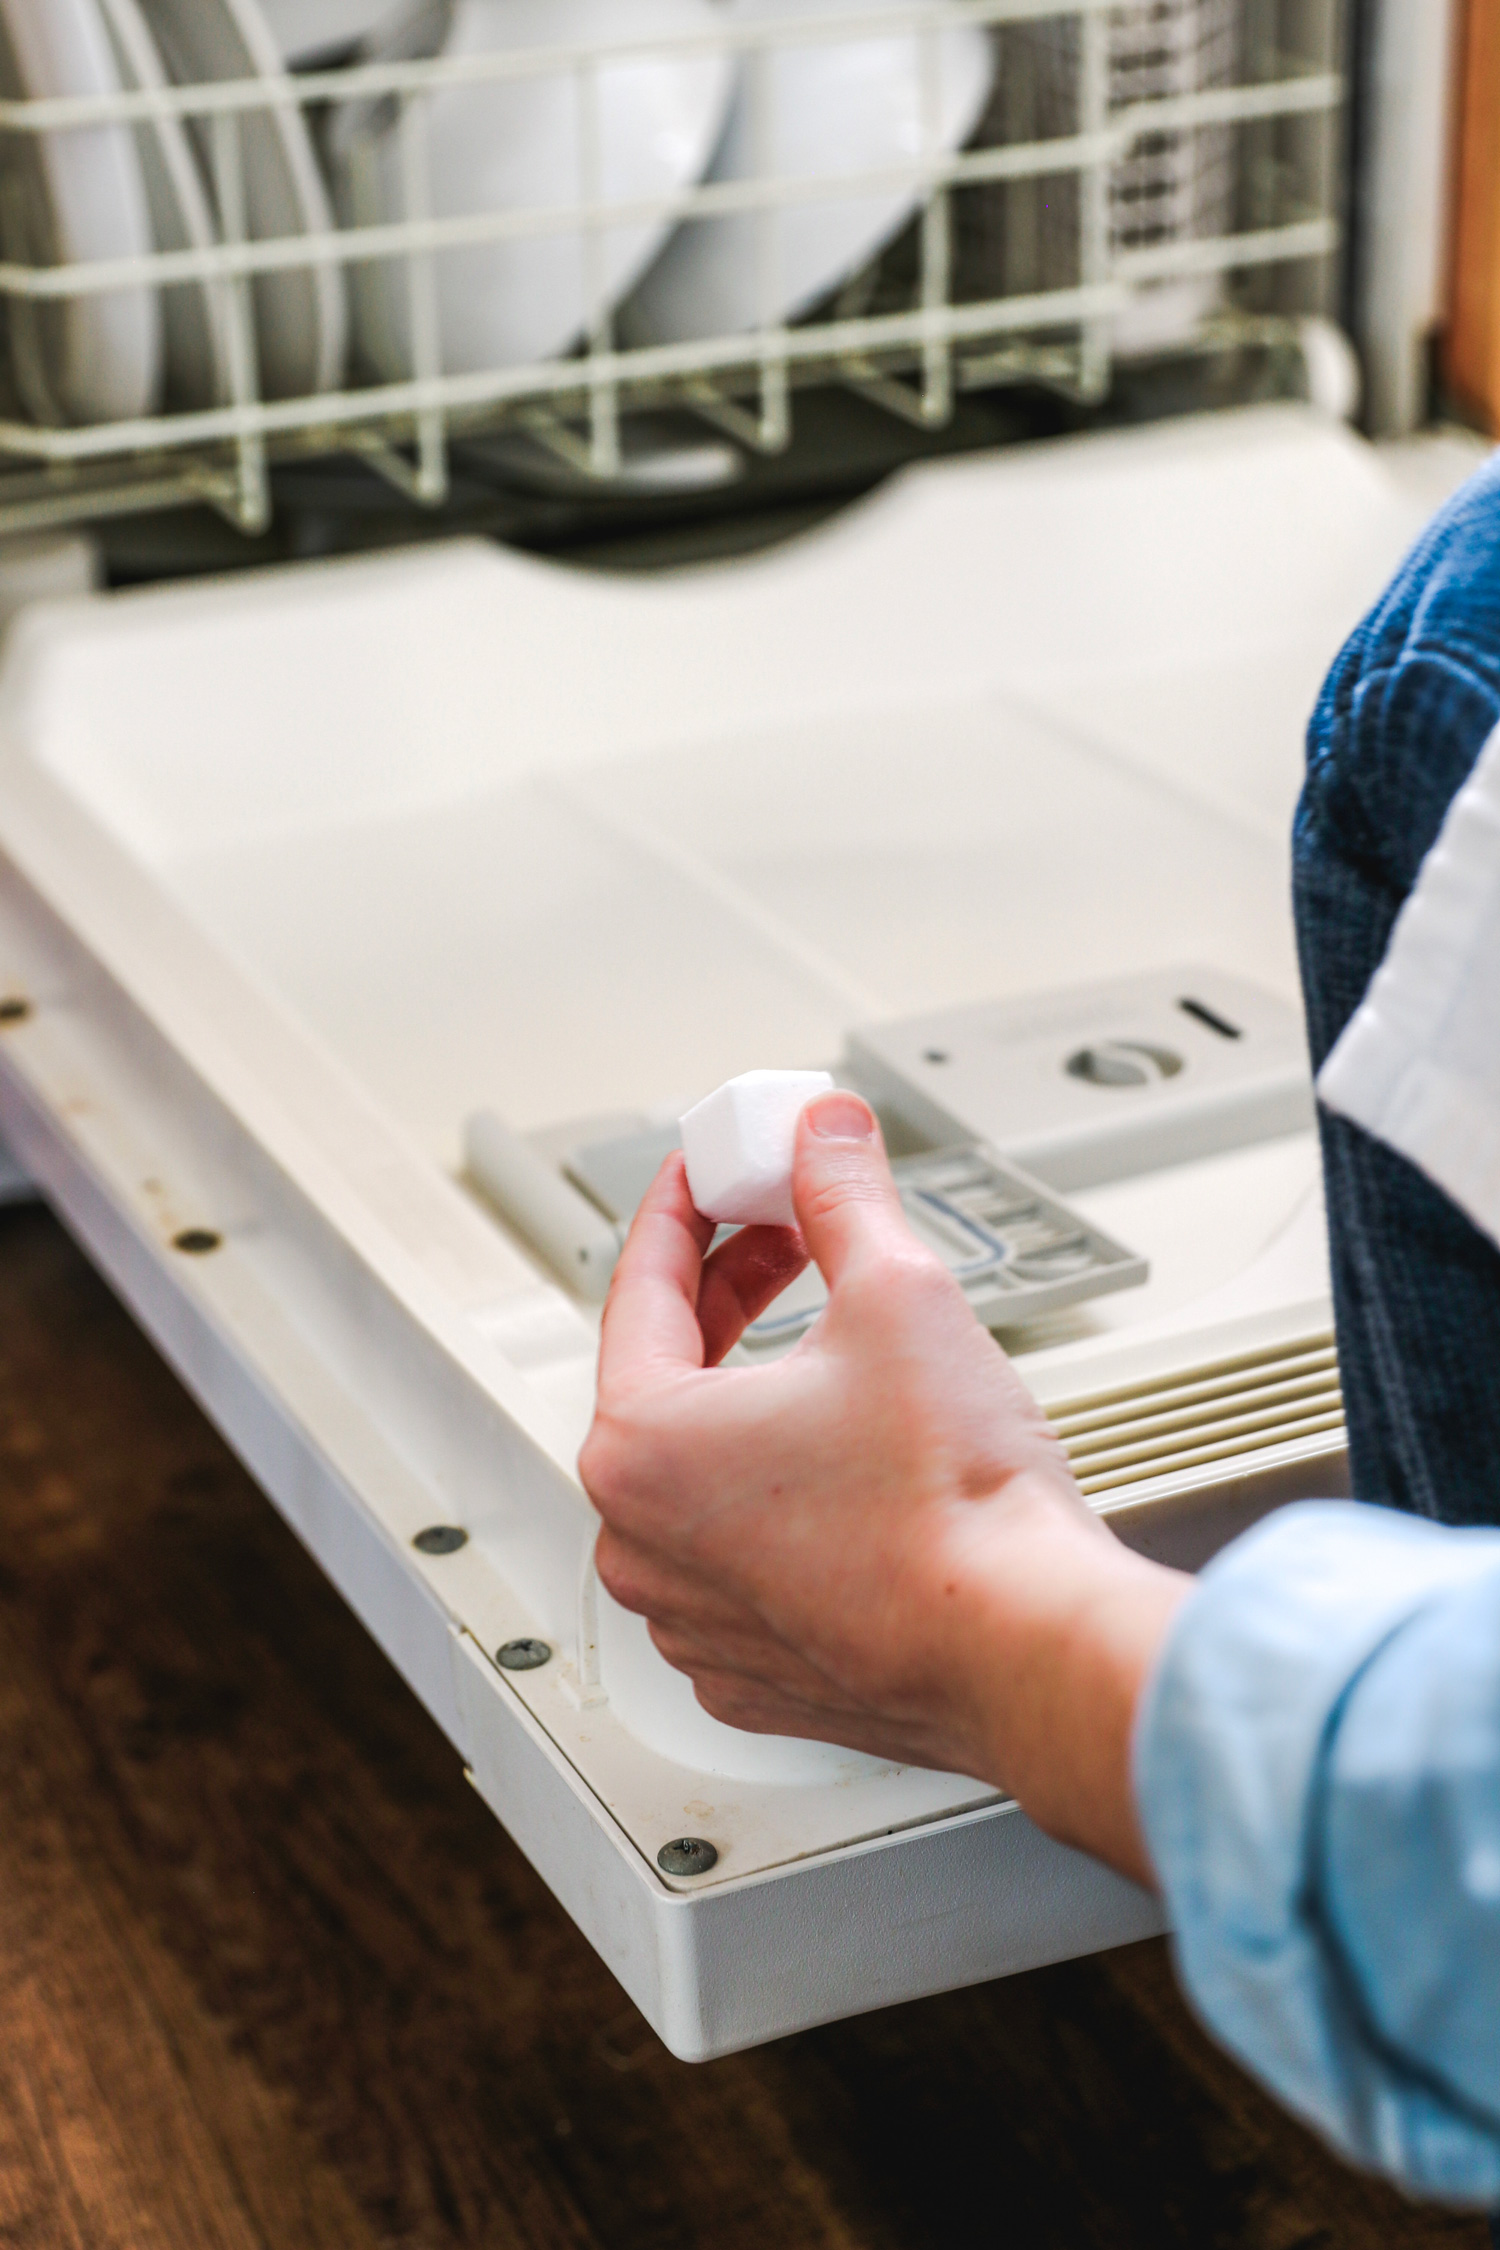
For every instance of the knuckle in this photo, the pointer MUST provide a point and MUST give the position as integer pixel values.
(726, 1698)
(605, 1477)
(745, 1704)
(906, 1267)
(596, 1465)
(622, 1453)
(620, 1574)
(678, 1649)
(904, 1282)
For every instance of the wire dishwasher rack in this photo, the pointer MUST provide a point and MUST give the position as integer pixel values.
(1160, 175)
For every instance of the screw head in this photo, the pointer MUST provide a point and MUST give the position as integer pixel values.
(13, 1009)
(441, 1539)
(196, 1242)
(687, 1855)
(523, 1655)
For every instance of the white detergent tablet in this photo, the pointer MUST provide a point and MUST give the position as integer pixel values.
(739, 1141)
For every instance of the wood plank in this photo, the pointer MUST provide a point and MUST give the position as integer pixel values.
(271, 1975)
(1471, 351)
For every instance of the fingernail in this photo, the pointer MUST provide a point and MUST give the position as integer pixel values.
(840, 1117)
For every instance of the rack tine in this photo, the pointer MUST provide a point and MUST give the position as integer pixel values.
(430, 484)
(604, 393)
(252, 504)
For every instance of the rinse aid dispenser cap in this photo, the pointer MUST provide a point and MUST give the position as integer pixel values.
(738, 1144)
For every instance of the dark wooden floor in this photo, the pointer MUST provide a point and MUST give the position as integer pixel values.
(270, 1974)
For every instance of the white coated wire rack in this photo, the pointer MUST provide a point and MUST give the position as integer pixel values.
(1161, 174)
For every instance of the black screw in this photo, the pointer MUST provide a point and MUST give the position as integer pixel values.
(687, 1855)
(13, 1009)
(196, 1242)
(441, 1539)
(523, 1656)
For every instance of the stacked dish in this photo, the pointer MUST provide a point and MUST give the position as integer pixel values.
(834, 110)
(122, 191)
(661, 121)
(528, 143)
(556, 148)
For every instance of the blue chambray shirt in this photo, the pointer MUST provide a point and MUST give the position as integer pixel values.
(1317, 1765)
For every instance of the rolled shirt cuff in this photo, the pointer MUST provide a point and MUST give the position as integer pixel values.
(1230, 1774)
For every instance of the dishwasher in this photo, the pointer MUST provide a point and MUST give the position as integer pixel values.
(974, 791)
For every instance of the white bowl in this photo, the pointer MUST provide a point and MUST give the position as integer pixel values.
(516, 144)
(847, 106)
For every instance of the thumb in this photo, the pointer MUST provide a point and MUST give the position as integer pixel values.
(846, 1200)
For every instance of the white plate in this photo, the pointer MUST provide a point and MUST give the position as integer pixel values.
(195, 314)
(79, 197)
(850, 106)
(507, 146)
(300, 314)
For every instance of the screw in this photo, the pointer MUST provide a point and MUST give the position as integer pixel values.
(13, 1009)
(937, 1056)
(687, 1855)
(441, 1539)
(196, 1242)
(523, 1656)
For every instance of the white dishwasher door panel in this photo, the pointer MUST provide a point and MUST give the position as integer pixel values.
(299, 869)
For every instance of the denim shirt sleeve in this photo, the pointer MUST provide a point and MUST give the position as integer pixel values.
(1317, 1765)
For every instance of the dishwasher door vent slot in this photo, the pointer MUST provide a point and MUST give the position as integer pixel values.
(1215, 1412)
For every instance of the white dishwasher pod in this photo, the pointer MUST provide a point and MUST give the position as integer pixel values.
(301, 870)
(737, 1144)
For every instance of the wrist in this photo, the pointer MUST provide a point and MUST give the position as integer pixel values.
(1062, 1629)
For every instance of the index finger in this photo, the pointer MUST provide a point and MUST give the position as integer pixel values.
(651, 1315)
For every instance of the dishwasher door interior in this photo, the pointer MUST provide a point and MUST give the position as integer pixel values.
(301, 869)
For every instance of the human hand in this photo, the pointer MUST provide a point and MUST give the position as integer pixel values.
(875, 1539)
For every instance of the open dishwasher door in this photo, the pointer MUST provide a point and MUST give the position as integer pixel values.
(301, 870)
